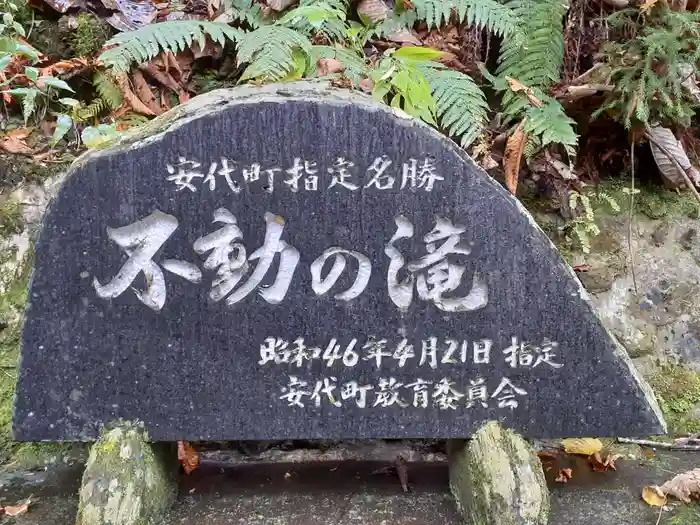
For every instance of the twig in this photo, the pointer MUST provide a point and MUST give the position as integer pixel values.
(680, 169)
(7, 374)
(657, 444)
(629, 226)
(658, 518)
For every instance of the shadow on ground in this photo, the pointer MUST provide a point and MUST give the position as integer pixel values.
(359, 493)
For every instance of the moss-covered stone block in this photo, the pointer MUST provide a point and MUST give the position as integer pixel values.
(497, 479)
(127, 480)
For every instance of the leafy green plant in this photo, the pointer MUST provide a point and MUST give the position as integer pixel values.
(148, 41)
(584, 225)
(491, 15)
(648, 71)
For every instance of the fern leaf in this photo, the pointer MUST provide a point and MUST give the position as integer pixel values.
(247, 11)
(145, 43)
(108, 90)
(551, 125)
(488, 14)
(270, 52)
(535, 58)
(318, 16)
(460, 104)
(29, 103)
(91, 111)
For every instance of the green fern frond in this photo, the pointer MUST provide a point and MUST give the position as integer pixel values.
(29, 103)
(394, 23)
(327, 17)
(536, 57)
(271, 52)
(460, 105)
(147, 42)
(551, 125)
(355, 65)
(91, 111)
(108, 91)
(488, 14)
(247, 11)
(532, 146)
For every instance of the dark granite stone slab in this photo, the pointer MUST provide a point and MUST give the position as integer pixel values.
(299, 262)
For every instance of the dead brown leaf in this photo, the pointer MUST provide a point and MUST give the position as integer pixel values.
(684, 487)
(374, 10)
(516, 86)
(16, 510)
(143, 91)
(603, 463)
(129, 96)
(565, 474)
(14, 141)
(188, 456)
(653, 496)
(279, 5)
(513, 154)
(328, 66)
(402, 472)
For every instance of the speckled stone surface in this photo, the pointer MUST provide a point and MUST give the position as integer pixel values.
(467, 315)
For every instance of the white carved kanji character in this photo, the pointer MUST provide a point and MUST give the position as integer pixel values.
(376, 350)
(476, 393)
(545, 354)
(273, 350)
(321, 285)
(482, 351)
(305, 169)
(505, 394)
(294, 393)
(434, 275)
(299, 352)
(230, 259)
(424, 177)
(341, 174)
(352, 390)
(183, 173)
(225, 171)
(519, 354)
(421, 394)
(325, 387)
(403, 352)
(380, 179)
(388, 393)
(445, 395)
(141, 240)
(428, 353)
(252, 174)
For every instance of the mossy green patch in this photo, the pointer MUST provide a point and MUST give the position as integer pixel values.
(10, 218)
(685, 515)
(89, 35)
(678, 392)
(9, 354)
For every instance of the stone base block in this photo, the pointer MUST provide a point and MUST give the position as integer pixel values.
(127, 480)
(497, 479)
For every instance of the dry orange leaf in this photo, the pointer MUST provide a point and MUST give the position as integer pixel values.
(136, 104)
(16, 510)
(13, 142)
(565, 474)
(647, 5)
(516, 86)
(684, 487)
(328, 66)
(188, 456)
(583, 446)
(513, 154)
(653, 496)
(601, 464)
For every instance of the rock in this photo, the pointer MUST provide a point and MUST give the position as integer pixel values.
(127, 481)
(497, 479)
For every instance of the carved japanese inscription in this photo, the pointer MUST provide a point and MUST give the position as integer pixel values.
(307, 265)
